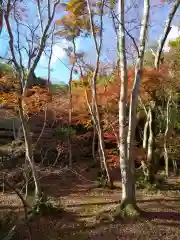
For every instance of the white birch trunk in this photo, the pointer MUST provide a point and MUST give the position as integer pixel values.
(29, 151)
(145, 132)
(127, 162)
(150, 146)
(96, 112)
(135, 91)
(122, 105)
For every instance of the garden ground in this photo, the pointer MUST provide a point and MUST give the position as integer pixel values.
(85, 206)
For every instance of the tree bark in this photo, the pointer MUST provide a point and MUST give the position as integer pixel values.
(128, 200)
(29, 151)
(137, 80)
(150, 159)
(95, 127)
(145, 132)
(94, 144)
(126, 142)
(136, 86)
(96, 113)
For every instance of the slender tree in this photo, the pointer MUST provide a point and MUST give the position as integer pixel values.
(95, 108)
(122, 106)
(34, 53)
(136, 86)
(126, 146)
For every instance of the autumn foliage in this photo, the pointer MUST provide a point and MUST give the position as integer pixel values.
(34, 99)
(154, 85)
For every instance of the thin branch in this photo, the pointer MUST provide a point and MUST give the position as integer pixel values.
(25, 205)
(40, 16)
(163, 38)
(43, 41)
(44, 125)
(50, 56)
(92, 25)
(11, 37)
(126, 31)
(49, 9)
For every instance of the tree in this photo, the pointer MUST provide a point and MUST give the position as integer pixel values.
(163, 38)
(94, 107)
(122, 106)
(126, 142)
(34, 47)
(73, 25)
(80, 22)
(157, 56)
(136, 86)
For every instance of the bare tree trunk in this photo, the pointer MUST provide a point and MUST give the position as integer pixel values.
(95, 126)
(126, 160)
(150, 160)
(138, 72)
(94, 144)
(29, 151)
(145, 132)
(128, 200)
(122, 106)
(26, 176)
(70, 119)
(96, 112)
(175, 168)
(166, 158)
(135, 91)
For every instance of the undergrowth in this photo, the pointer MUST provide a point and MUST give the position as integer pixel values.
(44, 207)
(159, 181)
(7, 227)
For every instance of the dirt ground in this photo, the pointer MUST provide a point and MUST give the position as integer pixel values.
(83, 202)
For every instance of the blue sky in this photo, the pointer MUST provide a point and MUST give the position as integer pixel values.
(60, 64)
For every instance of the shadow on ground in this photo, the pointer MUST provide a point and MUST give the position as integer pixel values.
(161, 215)
(69, 225)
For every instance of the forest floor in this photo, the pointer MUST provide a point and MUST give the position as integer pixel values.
(83, 202)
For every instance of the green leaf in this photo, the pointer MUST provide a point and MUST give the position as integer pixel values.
(112, 3)
(175, 43)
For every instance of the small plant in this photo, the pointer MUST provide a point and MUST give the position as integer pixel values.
(65, 132)
(141, 183)
(102, 179)
(44, 207)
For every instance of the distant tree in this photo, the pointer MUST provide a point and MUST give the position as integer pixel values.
(157, 64)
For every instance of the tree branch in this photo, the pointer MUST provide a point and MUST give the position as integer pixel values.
(163, 38)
